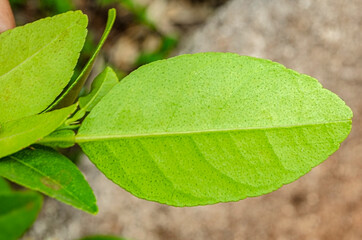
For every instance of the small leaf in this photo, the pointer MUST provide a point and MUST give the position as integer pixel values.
(102, 237)
(37, 62)
(101, 85)
(18, 134)
(4, 186)
(212, 127)
(51, 173)
(72, 92)
(17, 213)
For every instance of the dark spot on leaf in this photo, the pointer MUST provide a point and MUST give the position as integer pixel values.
(49, 183)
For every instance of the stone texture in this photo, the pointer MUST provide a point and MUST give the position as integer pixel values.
(319, 38)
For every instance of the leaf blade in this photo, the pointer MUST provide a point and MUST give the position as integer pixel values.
(4, 186)
(52, 43)
(71, 93)
(101, 85)
(17, 212)
(214, 127)
(18, 134)
(52, 174)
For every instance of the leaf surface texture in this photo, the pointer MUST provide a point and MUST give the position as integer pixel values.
(212, 127)
(18, 134)
(101, 85)
(52, 174)
(72, 92)
(37, 62)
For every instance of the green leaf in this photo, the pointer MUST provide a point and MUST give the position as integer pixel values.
(4, 186)
(51, 173)
(101, 85)
(37, 62)
(102, 237)
(72, 92)
(17, 212)
(212, 127)
(18, 134)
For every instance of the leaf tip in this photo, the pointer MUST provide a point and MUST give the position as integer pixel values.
(112, 12)
(93, 209)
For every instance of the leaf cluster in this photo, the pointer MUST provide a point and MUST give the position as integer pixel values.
(190, 130)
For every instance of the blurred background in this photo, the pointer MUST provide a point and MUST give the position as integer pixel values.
(319, 38)
(145, 30)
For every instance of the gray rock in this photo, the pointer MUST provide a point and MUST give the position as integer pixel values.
(318, 38)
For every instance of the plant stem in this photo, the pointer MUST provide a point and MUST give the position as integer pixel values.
(57, 139)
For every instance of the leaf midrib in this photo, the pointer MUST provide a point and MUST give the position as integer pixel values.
(91, 138)
(38, 51)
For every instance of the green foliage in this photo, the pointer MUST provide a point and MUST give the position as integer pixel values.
(62, 138)
(4, 186)
(212, 127)
(72, 92)
(18, 210)
(191, 130)
(101, 85)
(43, 55)
(18, 134)
(52, 174)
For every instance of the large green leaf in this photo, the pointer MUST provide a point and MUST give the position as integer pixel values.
(36, 63)
(72, 92)
(51, 173)
(18, 134)
(212, 127)
(17, 212)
